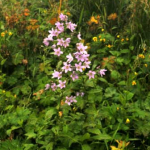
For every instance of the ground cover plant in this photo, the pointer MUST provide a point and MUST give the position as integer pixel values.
(74, 75)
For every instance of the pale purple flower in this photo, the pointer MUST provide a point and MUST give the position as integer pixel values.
(70, 100)
(81, 48)
(60, 42)
(74, 76)
(53, 46)
(66, 67)
(46, 41)
(56, 32)
(82, 94)
(77, 93)
(50, 37)
(54, 86)
(57, 51)
(57, 74)
(78, 67)
(66, 42)
(91, 74)
(60, 26)
(62, 84)
(47, 86)
(86, 64)
(70, 58)
(71, 26)
(52, 32)
(81, 57)
(63, 17)
(102, 72)
(79, 36)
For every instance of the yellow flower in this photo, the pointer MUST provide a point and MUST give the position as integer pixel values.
(2, 34)
(145, 65)
(9, 33)
(45, 11)
(118, 36)
(109, 46)
(122, 144)
(136, 73)
(60, 113)
(114, 148)
(68, 14)
(127, 120)
(112, 16)
(141, 56)
(127, 39)
(83, 69)
(117, 108)
(104, 40)
(100, 36)
(101, 40)
(133, 83)
(95, 39)
(15, 96)
(144, 49)
(4, 91)
(92, 20)
(122, 40)
(102, 30)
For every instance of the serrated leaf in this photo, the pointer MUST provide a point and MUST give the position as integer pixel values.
(50, 113)
(30, 134)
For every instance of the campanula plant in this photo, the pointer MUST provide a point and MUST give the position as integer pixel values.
(74, 59)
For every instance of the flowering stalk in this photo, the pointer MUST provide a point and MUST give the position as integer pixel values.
(74, 60)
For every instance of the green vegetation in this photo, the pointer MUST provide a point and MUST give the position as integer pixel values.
(74, 75)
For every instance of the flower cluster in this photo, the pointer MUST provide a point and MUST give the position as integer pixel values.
(76, 61)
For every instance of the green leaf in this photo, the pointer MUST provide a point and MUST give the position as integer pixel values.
(50, 113)
(94, 131)
(125, 51)
(17, 58)
(59, 64)
(115, 74)
(86, 136)
(30, 134)
(103, 80)
(102, 137)
(95, 90)
(109, 92)
(122, 83)
(50, 146)
(3, 61)
(12, 128)
(28, 146)
(128, 95)
(86, 147)
(89, 83)
(115, 53)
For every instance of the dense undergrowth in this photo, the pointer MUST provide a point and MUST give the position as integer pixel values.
(74, 75)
